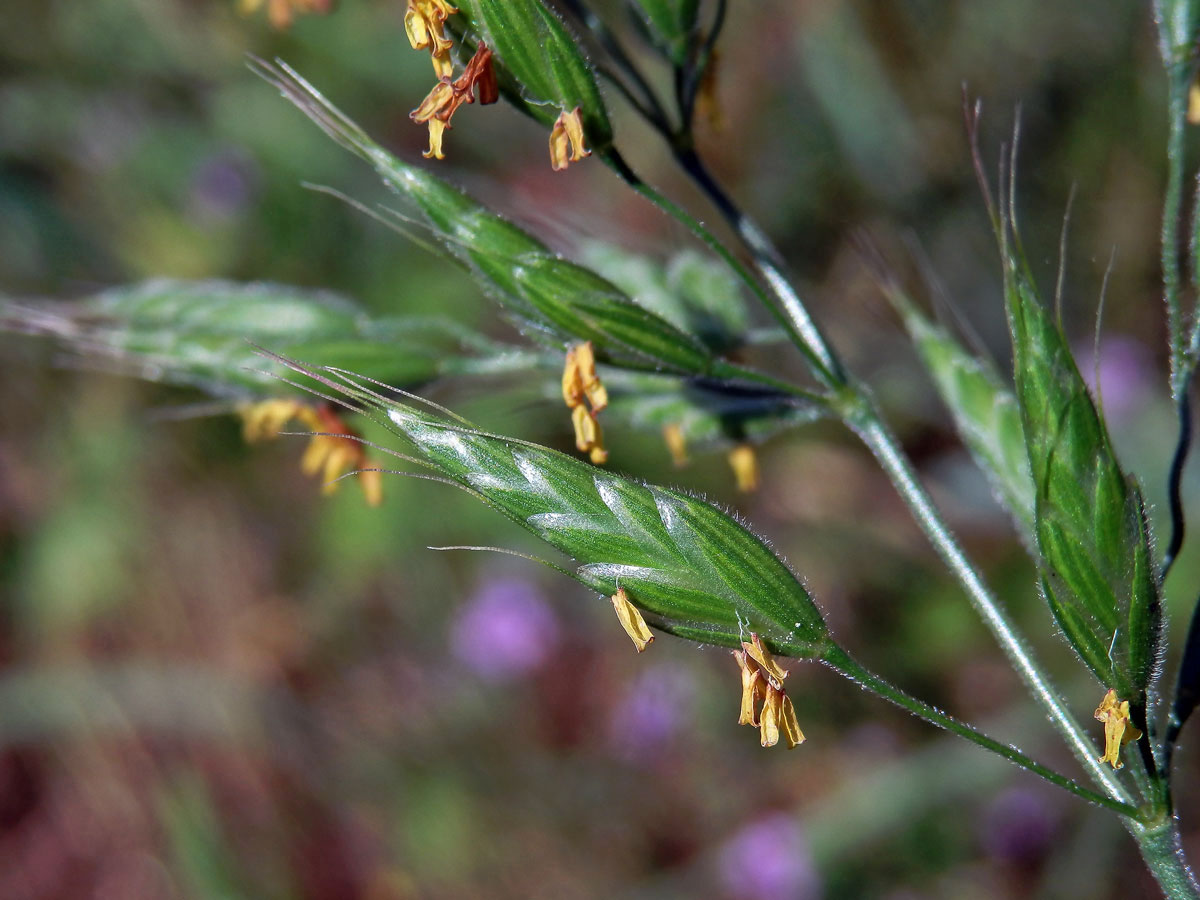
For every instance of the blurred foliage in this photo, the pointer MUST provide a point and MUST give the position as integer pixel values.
(217, 684)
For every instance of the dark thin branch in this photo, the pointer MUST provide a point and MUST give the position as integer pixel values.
(648, 106)
(639, 107)
(688, 80)
(691, 162)
(1175, 479)
(1187, 692)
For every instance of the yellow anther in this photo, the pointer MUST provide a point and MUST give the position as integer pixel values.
(437, 128)
(772, 712)
(593, 388)
(676, 443)
(1117, 729)
(572, 384)
(332, 451)
(580, 381)
(586, 428)
(757, 651)
(791, 725)
(281, 12)
(744, 462)
(631, 620)
(753, 690)
(566, 140)
(445, 97)
(371, 481)
(764, 703)
(425, 25)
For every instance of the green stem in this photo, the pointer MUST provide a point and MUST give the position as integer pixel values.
(837, 658)
(767, 259)
(1159, 842)
(1178, 25)
(784, 303)
(1172, 206)
(789, 311)
(1193, 258)
(1162, 852)
(860, 414)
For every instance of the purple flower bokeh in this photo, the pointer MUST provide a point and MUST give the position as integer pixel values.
(769, 860)
(651, 712)
(1127, 375)
(506, 629)
(1017, 826)
(223, 185)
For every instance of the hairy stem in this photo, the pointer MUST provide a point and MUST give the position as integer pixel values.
(1162, 851)
(1172, 210)
(1178, 25)
(860, 413)
(862, 416)
(782, 302)
(767, 259)
(837, 658)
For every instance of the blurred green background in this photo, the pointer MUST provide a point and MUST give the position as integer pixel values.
(215, 683)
